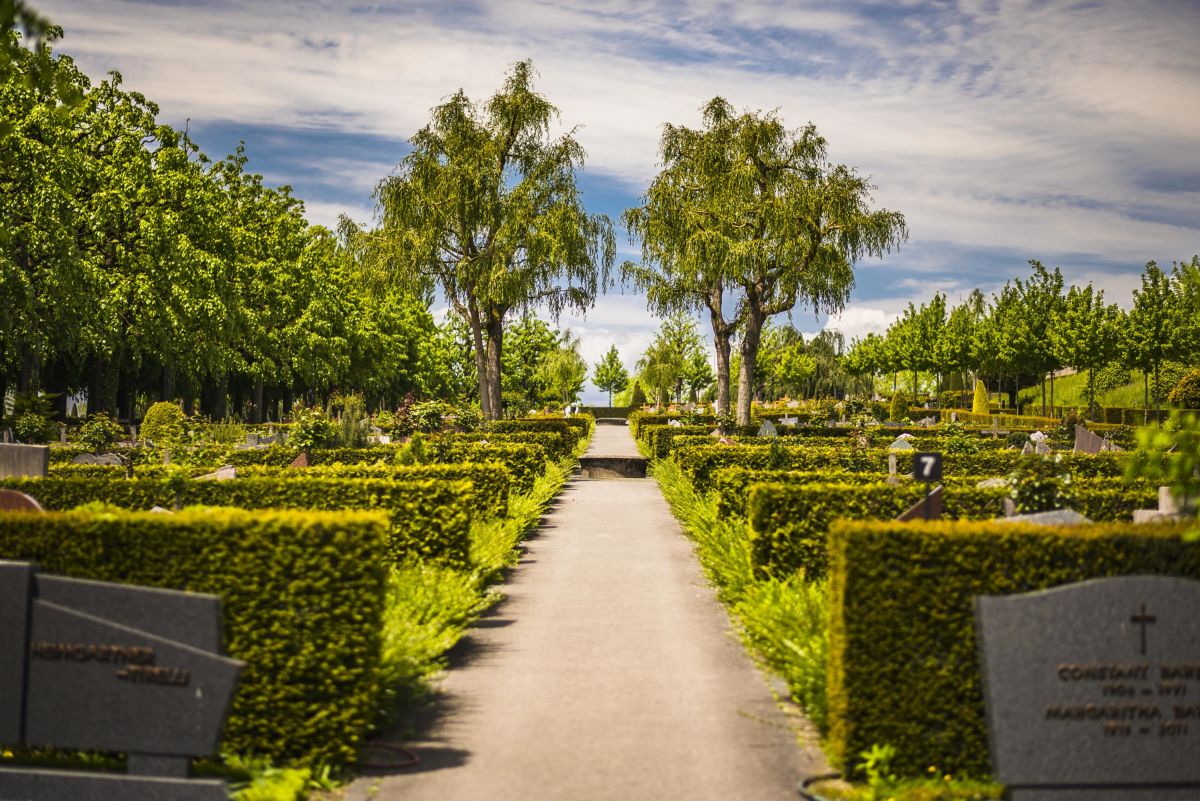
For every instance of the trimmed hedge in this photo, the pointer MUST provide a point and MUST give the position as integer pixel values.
(557, 445)
(526, 461)
(1005, 420)
(571, 429)
(700, 463)
(903, 668)
(303, 599)
(491, 480)
(430, 519)
(789, 523)
(283, 455)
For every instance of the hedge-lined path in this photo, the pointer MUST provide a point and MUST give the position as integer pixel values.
(609, 672)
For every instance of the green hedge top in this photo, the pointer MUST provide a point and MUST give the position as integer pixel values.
(700, 463)
(526, 461)
(903, 668)
(430, 519)
(573, 432)
(789, 523)
(303, 600)
(491, 480)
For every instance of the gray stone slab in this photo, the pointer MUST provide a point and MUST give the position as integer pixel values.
(1086, 441)
(767, 429)
(1055, 517)
(97, 685)
(24, 461)
(16, 580)
(188, 618)
(62, 785)
(1095, 684)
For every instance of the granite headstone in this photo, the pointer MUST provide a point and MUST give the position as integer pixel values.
(1093, 690)
(24, 461)
(112, 668)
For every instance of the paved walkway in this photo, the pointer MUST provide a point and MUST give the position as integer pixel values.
(609, 672)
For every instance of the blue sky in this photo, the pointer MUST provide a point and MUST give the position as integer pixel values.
(1004, 131)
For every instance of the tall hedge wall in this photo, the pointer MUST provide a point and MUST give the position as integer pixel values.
(303, 596)
(903, 668)
(429, 519)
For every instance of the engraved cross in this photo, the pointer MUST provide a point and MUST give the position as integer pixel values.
(1142, 619)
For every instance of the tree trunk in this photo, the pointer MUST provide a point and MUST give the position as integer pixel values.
(495, 342)
(749, 351)
(256, 411)
(1146, 389)
(479, 349)
(168, 383)
(721, 346)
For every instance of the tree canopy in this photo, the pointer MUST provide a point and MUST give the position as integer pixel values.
(749, 207)
(486, 205)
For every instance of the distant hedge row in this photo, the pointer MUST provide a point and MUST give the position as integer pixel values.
(430, 519)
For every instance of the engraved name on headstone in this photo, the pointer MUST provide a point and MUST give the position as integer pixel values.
(111, 667)
(1093, 689)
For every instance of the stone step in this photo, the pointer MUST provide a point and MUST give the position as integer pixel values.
(612, 467)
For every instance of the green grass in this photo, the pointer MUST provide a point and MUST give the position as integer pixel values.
(1071, 390)
(784, 623)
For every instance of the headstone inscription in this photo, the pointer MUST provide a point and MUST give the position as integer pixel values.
(24, 461)
(111, 667)
(1093, 689)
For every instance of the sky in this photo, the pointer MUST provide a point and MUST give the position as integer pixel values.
(1003, 131)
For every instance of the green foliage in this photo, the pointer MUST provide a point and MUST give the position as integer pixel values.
(311, 429)
(353, 429)
(903, 664)
(487, 204)
(638, 399)
(735, 209)
(302, 595)
(1087, 336)
(491, 481)
(164, 424)
(898, 411)
(1038, 483)
(609, 374)
(32, 428)
(430, 518)
(429, 417)
(979, 405)
(1186, 394)
(1171, 453)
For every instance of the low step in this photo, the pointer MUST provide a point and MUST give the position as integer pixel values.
(611, 421)
(612, 466)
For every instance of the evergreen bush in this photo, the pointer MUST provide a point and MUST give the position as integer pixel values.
(1186, 394)
(163, 424)
(979, 405)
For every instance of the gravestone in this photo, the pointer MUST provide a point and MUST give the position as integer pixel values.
(103, 458)
(111, 667)
(789, 421)
(1086, 441)
(24, 461)
(13, 501)
(928, 508)
(62, 433)
(223, 473)
(901, 444)
(675, 424)
(7, 435)
(1092, 690)
(1027, 449)
(793, 404)
(301, 460)
(767, 429)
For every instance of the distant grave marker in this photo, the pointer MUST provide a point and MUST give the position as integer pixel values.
(24, 461)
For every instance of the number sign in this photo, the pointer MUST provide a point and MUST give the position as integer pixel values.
(927, 467)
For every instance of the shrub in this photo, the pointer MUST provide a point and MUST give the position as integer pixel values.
(429, 416)
(302, 596)
(311, 429)
(430, 519)
(1186, 394)
(32, 428)
(979, 404)
(163, 424)
(902, 653)
(638, 397)
(1039, 483)
(467, 418)
(898, 411)
(99, 433)
(353, 429)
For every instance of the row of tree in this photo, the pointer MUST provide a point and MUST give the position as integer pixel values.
(132, 266)
(1032, 328)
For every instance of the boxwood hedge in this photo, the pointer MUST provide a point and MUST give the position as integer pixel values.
(431, 519)
(303, 600)
(903, 669)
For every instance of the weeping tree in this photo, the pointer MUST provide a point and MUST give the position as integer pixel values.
(486, 205)
(748, 214)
